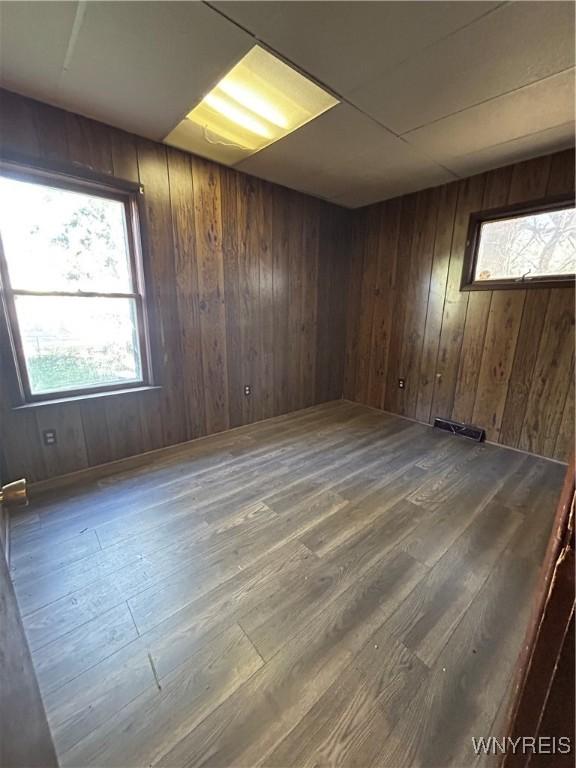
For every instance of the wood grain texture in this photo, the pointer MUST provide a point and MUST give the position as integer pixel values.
(20, 700)
(254, 284)
(387, 245)
(501, 359)
(335, 586)
(448, 197)
(552, 372)
(496, 193)
(246, 284)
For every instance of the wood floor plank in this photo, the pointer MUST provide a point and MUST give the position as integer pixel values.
(133, 562)
(535, 484)
(248, 725)
(153, 605)
(41, 560)
(146, 576)
(80, 706)
(271, 626)
(461, 502)
(336, 587)
(95, 696)
(348, 723)
(69, 656)
(471, 677)
(169, 520)
(142, 551)
(430, 613)
(168, 476)
(362, 512)
(62, 508)
(171, 642)
(146, 729)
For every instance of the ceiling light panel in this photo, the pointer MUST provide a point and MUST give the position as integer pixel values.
(259, 101)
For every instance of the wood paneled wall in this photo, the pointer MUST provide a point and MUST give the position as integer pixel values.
(503, 360)
(246, 286)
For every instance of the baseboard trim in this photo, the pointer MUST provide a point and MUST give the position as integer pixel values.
(91, 474)
(98, 471)
(489, 442)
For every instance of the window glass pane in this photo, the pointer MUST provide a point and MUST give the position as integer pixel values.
(71, 343)
(534, 245)
(59, 240)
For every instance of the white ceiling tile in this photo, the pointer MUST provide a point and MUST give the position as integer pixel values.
(518, 44)
(389, 186)
(33, 44)
(534, 145)
(343, 44)
(545, 104)
(143, 65)
(344, 151)
(438, 68)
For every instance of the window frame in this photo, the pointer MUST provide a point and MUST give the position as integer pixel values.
(95, 184)
(468, 282)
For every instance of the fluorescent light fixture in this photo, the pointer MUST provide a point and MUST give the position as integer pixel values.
(259, 101)
(237, 114)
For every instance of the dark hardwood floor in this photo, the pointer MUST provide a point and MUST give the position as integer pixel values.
(337, 586)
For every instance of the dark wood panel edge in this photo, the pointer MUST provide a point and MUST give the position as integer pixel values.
(552, 612)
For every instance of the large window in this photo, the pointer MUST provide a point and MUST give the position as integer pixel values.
(72, 285)
(521, 246)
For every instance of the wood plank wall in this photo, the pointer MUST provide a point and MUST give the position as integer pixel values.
(246, 286)
(501, 359)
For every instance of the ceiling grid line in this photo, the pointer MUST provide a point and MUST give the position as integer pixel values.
(429, 91)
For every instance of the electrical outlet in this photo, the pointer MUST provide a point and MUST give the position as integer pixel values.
(49, 436)
(401, 383)
(247, 390)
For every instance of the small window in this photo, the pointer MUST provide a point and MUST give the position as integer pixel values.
(73, 288)
(521, 246)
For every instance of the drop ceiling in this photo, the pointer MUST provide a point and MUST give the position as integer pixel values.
(427, 91)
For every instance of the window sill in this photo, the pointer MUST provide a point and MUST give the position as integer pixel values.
(83, 398)
(507, 285)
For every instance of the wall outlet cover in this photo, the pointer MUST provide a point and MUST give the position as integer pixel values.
(49, 437)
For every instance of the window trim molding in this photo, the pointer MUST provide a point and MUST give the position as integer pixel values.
(468, 283)
(78, 179)
(74, 172)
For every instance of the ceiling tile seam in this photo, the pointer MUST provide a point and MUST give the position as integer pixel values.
(346, 100)
(211, 87)
(298, 68)
(81, 7)
(443, 38)
(331, 90)
(352, 105)
(275, 52)
(488, 100)
(391, 68)
(510, 141)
